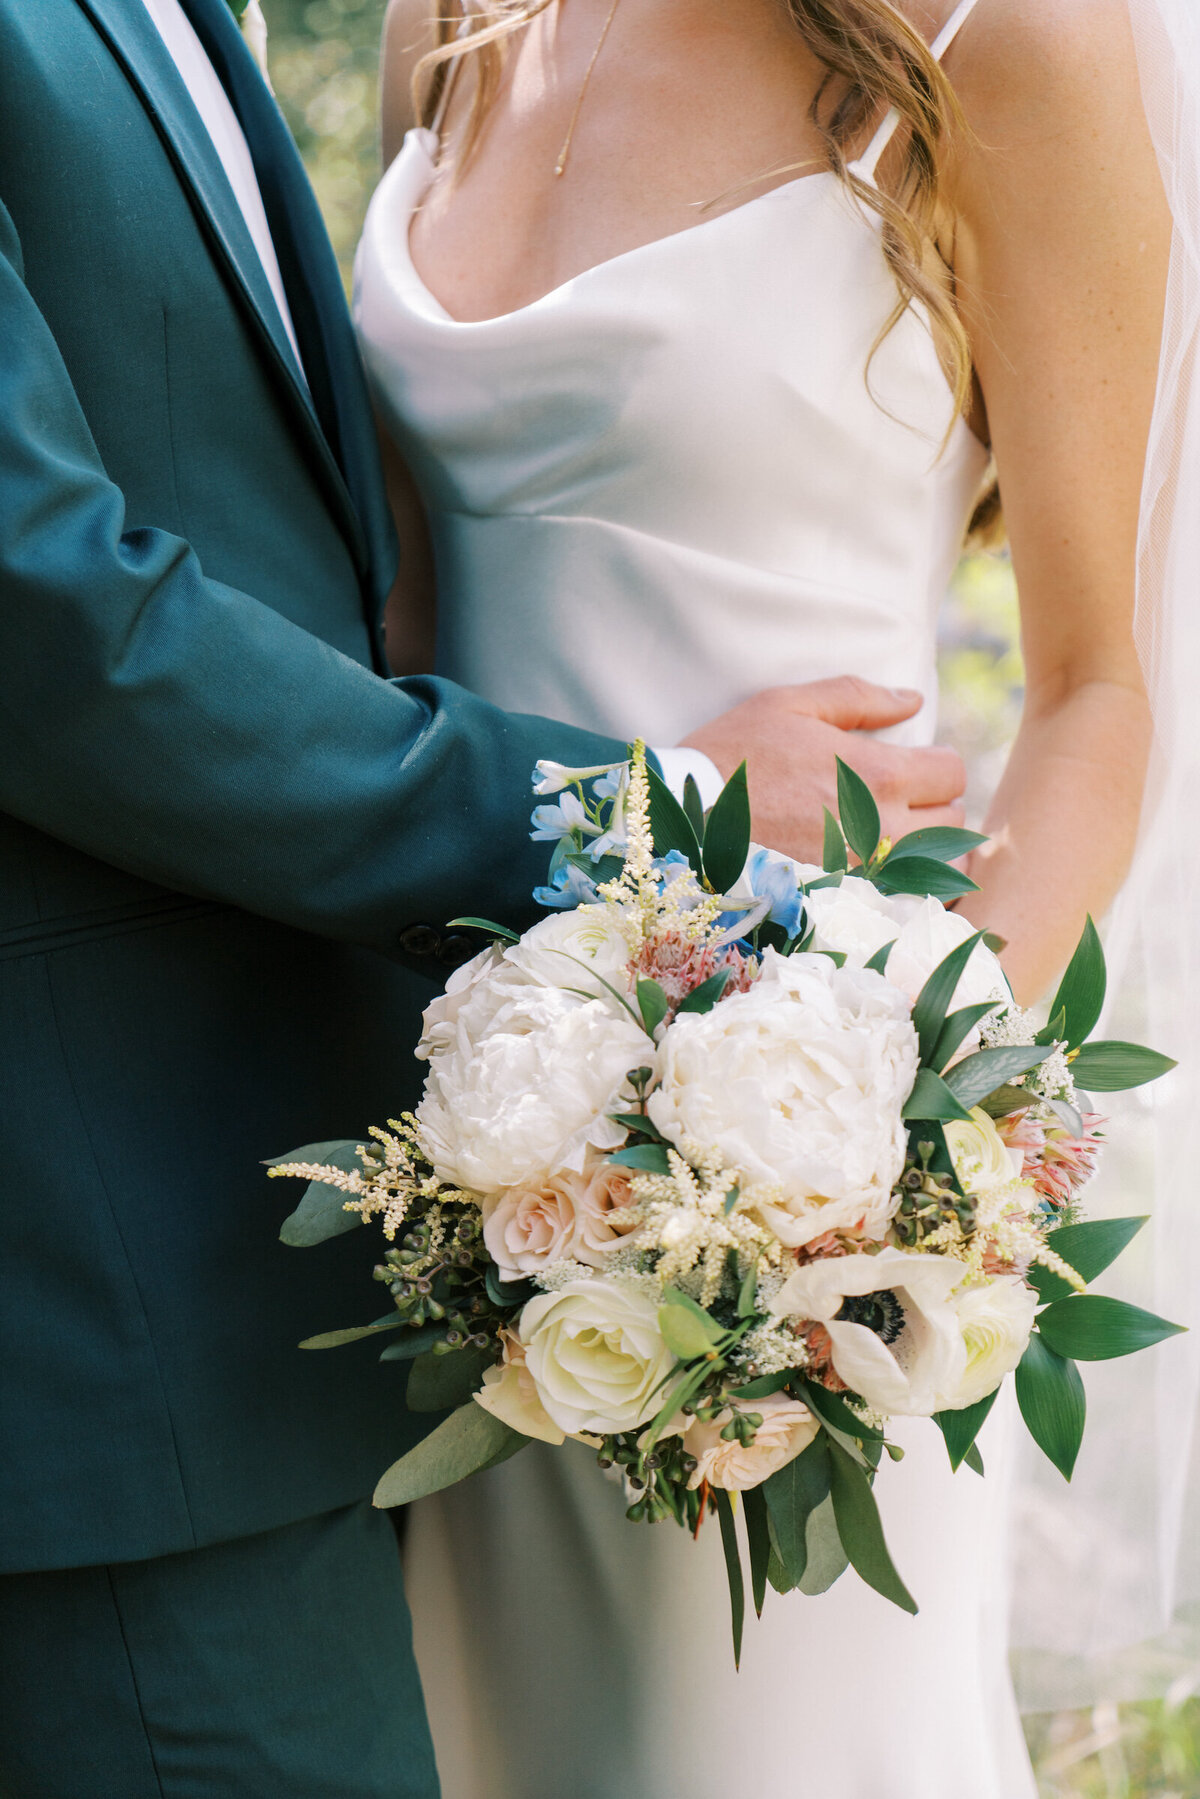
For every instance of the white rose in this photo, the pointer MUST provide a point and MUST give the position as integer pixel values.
(801, 1084)
(858, 920)
(893, 1329)
(576, 1215)
(510, 1394)
(526, 1085)
(787, 1428)
(596, 1354)
(995, 1321)
(560, 951)
(980, 1155)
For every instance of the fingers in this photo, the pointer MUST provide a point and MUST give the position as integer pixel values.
(932, 776)
(852, 704)
(899, 823)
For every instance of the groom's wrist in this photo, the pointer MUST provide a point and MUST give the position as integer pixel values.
(676, 765)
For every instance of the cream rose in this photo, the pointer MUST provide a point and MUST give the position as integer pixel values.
(510, 1394)
(596, 1355)
(995, 1321)
(571, 1214)
(787, 1428)
(980, 1155)
(801, 1084)
(524, 1088)
(893, 1329)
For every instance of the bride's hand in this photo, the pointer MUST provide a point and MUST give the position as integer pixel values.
(790, 738)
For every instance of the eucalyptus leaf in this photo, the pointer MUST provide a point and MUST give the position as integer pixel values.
(727, 833)
(833, 1410)
(414, 1343)
(1114, 1067)
(506, 1293)
(961, 1428)
(647, 1158)
(827, 1558)
(437, 1383)
(1088, 1248)
(466, 1441)
(858, 812)
(669, 823)
(1053, 1403)
(639, 1122)
(923, 876)
(1090, 1327)
(792, 1495)
(861, 1530)
(972, 1079)
(335, 1339)
(764, 1386)
(322, 1212)
(933, 1098)
(1081, 991)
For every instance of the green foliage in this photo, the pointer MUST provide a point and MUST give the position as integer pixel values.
(733, 1570)
(687, 1329)
(1052, 1401)
(436, 1383)
(977, 1076)
(355, 1334)
(923, 875)
(1087, 1248)
(727, 833)
(704, 997)
(1080, 996)
(1114, 1067)
(1094, 1328)
(931, 1098)
(861, 1530)
(858, 812)
(465, 1442)
(933, 1001)
(792, 1496)
(670, 825)
(322, 1212)
(961, 1428)
(835, 860)
(653, 1004)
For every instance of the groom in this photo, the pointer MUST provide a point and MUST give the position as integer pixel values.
(229, 851)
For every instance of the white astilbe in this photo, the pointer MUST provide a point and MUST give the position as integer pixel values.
(389, 1180)
(649, 907)
(683, 1218)
(770, 1349)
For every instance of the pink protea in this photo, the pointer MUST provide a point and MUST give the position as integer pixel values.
(680, 965)
(1058, 1164)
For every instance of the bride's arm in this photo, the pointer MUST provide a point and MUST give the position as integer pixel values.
(1061, 248)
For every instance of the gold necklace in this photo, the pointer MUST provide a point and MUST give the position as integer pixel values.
(565, 152)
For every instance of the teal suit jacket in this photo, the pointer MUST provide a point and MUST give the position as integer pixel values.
(229, 846)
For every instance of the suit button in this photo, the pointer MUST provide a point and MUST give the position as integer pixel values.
(420, 940)
(456, 949)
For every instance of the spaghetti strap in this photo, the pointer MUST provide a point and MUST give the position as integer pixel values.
(868, 162)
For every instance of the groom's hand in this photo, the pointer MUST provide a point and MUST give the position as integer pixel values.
(790, 738)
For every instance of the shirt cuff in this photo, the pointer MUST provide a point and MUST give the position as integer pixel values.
(676, 765)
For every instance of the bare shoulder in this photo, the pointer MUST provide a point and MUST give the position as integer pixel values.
(1063, 70)
(409, 33)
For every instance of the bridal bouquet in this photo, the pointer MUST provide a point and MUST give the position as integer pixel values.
(727, 1162)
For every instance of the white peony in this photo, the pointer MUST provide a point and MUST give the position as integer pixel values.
(439, 1020)
(995, 1321)
(581, 948)
(524, 1088)
(980, 1155)
(786, 1430)
(858, 920)
(892, 1325)
(575, 1216)
(596, 1355)
(801, 1084)
(510, 1394)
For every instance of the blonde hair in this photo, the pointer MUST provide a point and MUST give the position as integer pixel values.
(872, 59)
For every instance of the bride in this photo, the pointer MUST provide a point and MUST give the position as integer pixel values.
(701, 329)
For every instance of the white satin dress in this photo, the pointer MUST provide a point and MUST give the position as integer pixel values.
(653, 492)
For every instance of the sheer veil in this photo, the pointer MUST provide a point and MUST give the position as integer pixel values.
(1108, 1571)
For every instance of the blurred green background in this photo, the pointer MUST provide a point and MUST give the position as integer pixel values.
(324, 60)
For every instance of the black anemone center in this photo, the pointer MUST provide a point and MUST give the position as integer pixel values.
(880, 1312)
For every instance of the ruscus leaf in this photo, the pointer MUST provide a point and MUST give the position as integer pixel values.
(861, 1529)
(933, 1098)
(669, 823)
(1053, 1403)
(858, 812)
(936, 996)
(1114, 1067)
(1088, 1248)
(977, 1076)
(733, 1569)
(727, 833)
(1081, 991)
(961, 1428)
(834, 859)
(1090, 1327)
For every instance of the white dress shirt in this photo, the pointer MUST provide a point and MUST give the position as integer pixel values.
(221, 122)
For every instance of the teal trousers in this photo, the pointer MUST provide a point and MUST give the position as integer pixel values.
(279, 1666)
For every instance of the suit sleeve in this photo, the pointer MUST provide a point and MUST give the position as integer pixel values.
(185, 732)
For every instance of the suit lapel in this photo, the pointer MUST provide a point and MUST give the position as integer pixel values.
(134, 40)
